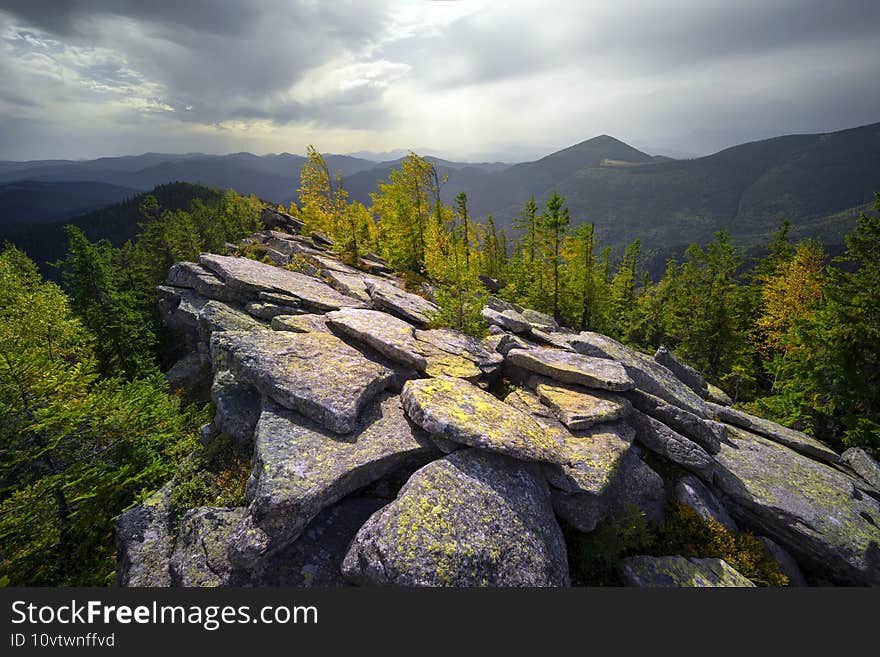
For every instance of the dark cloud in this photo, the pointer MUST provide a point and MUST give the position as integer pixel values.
(651, 70)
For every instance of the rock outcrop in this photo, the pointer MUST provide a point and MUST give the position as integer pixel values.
(388, 452)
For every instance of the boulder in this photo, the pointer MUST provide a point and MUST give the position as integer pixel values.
(691, 492)
(509, 320)
(248, 278)
(200, 551)
(540, 321)
(648, 375)
(580, 409)
(300, 323)
(708, 434)
(863, 465)
(574, 368)
(669, 444)
(473, 518)
(718, 396)
(272, 218)
(238, 406)
(453, 343)
(267, 311)
(315, 374)
(630, 483)
(405, 305)
(301, 468)
(685, 373)
(390, 336)
(675, 572)
(812, 510)
(144, 543)
(193, 276)
(796, 440)
(463, 413)
(216, 316)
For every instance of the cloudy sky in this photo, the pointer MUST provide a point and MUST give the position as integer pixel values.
(468, 79)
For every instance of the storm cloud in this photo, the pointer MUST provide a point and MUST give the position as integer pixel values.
(465, 79)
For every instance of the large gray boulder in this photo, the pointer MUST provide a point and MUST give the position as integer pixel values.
(473, 518)
(144, 542)
(247, 278)
(237, 406)
(631, 483)
(407, 306)
(509, 320)
(567, 367)
(708, 434)
(301, 468)
(315, 374)
(812, 510)
(463, 413)
(193, 276)
(648, 375)
(578, 408)
(796, 440)
(863, 465)
(685, 373)
(671, 445)
(200, 551)
(675, 572)
(390, 336)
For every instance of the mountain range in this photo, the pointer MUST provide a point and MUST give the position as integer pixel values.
(819, 182)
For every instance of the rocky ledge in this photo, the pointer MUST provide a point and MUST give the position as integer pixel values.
(386, 452)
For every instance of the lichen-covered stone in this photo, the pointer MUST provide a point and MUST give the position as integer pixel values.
(796, 440)
(473, 518)
(267, 311)
(812, 510)
(648, 375)
(388, 335)
(718, 396)
(567, 367)
(675, 572)
(315, 374)
(217, 316)
(461, 412)
(684, 372)
(662, 440)
(580, 409)
(144, 543)
(200, 551)
(194, 276)
(708, 434)
(300, 323)
(692, 492)
(863, 465)
(509, 320)
(437, 343)
(540, 321)
(249, 277)
(628, 483)
(301, 468)
(237, 406)
(407, 306)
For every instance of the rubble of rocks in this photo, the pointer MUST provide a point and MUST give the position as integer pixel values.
(387, 452)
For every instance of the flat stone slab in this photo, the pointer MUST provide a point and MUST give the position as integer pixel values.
(863, 465)
(473, 518)
(796, 440)
(388, 335)
(567, 367)
(708, 434)
(684, 372)
(648, 375)
(401, 303)
(509, 320)
(307, 323)
(579, 409)
(300, 468)
(670, 444)
(249, 278)
(316, 374)
(217, 316)
(443, 343)
(812, 510)
(593, 457)
(463, 413)
(676, 572)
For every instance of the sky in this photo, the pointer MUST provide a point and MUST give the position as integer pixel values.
(464, 79)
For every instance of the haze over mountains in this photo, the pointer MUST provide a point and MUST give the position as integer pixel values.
(819, 182)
